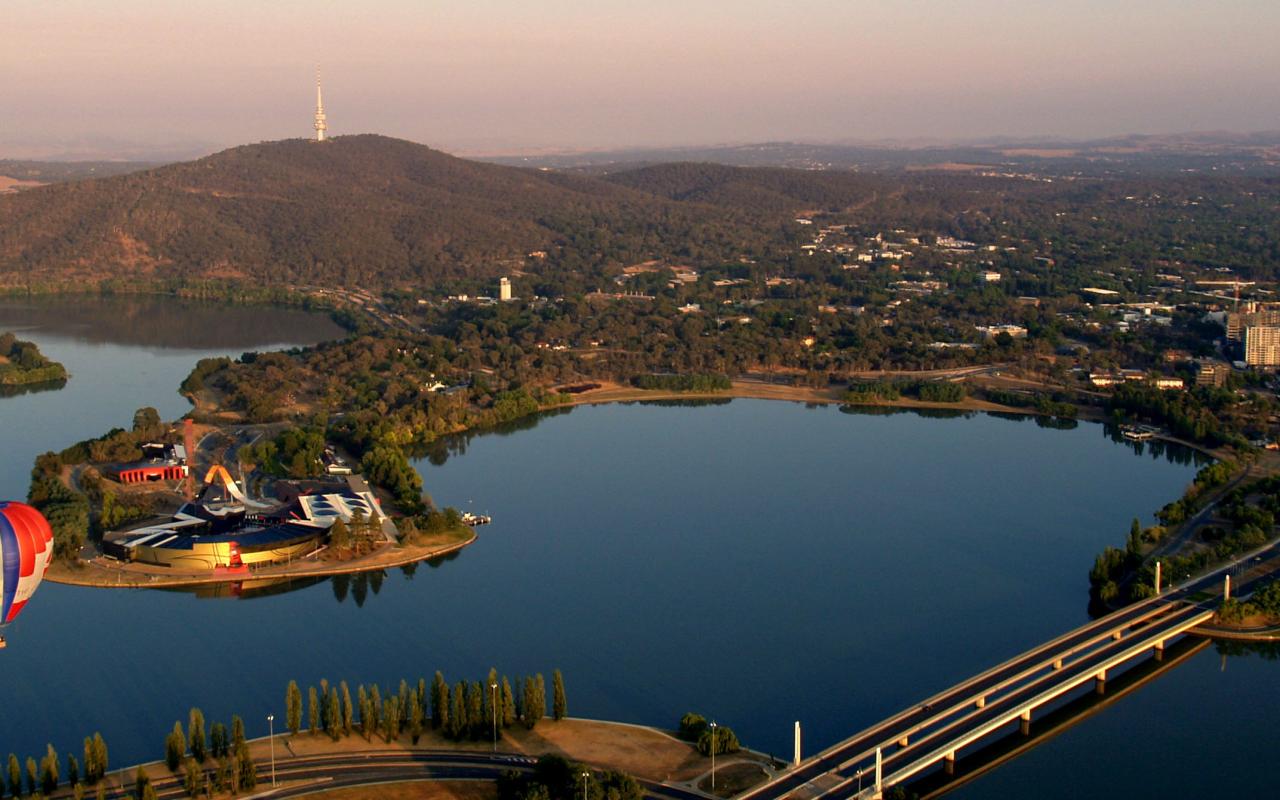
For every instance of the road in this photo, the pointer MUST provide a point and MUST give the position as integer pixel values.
(299, 776)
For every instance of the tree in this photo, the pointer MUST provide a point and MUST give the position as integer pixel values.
(237, 732)
(362, 704)
(528, 698)
(477, 725)
(559, 704)
(346, 710)
(313, 710)
(439, 701)
(195, 734)
(218, 740)
(246, 776)
(192, 777)
(508, 704)
(101, 762)
(457, 724)
(33, 776)
(49, 770)
(73, 770)
(415, 717)
(293, 707)
(333, 723)
(141, 782)
(175, 746)
(146, 423)
(15, 774)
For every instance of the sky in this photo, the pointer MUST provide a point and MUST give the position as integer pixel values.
(131, 77)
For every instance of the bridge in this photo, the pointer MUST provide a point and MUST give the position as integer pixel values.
(930, 735)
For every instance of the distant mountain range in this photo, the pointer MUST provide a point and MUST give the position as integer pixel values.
(1253, 153)
(380, 211)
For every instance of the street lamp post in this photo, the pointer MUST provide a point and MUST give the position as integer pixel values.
(713, 757)
(859, 782)
(271, 734)
(493, 691)
(585, 775)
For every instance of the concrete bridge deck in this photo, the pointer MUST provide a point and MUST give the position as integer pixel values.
(920, 738)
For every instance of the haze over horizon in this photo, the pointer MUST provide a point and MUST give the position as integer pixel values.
(147, 78)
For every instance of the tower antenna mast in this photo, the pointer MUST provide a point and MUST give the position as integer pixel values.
(320, 124)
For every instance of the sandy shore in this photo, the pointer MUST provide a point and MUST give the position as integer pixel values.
(110, 574)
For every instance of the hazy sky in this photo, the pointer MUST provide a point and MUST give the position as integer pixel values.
(505, 75)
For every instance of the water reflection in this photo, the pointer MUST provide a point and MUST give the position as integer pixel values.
(1158, 448)
(31, 388)
(166, 322)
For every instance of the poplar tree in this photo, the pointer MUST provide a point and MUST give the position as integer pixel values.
(476, 726)
(491, 696)
(32, 775)
(334, 721)
(346, 710)
(415, 717)
(508, 704)
(15, 773)
(73, 770)
(527, 699)
(362, 703)
(191, 777)
(439, 701)
(457, 722)
(49, 770)
(237, 733)
(293, 707)
(218, 740)
(559, 705)
(540, 702)
(140, 782)
(313, 710)
(195, 734)
(175, 745)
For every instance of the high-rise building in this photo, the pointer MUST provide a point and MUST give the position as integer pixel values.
(504, 288)
(321, 125)
(1238, 321)
(1262, 346)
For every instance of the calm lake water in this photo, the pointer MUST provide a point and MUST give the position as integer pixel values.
(758, 562)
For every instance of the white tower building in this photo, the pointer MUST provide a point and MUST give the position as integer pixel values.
(504, 289)
(320, 125)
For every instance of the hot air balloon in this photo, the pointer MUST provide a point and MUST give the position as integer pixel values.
(26, 548)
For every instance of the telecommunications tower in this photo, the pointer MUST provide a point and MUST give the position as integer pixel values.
(320, 125)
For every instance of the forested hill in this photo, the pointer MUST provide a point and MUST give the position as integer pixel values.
(763, 190)
(357, 209)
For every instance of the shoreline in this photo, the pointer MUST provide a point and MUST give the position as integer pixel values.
(96, 574)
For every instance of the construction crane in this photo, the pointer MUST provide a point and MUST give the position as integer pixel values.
(1237, 283)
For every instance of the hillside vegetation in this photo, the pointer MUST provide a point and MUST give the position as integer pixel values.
(358, 209)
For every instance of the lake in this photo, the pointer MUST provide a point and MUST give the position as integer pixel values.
(758, 562)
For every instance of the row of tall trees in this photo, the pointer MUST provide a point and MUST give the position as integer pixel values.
(43, 778)
(466, 710)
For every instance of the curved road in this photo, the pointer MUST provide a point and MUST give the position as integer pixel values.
(298, 776)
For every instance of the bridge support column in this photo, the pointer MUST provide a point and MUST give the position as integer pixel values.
(1226, 587)
(949, 763)
(879, 773)
(904, 741)
(1157, 577)
(981, 702)
(1025, 724)
(1057, 665)
(1116, 636)
(1100, 682)
(796, 757)
(1159, 650)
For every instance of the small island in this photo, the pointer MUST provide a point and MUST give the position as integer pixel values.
(24, 368)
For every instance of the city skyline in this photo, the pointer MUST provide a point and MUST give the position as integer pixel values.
(501, 77)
